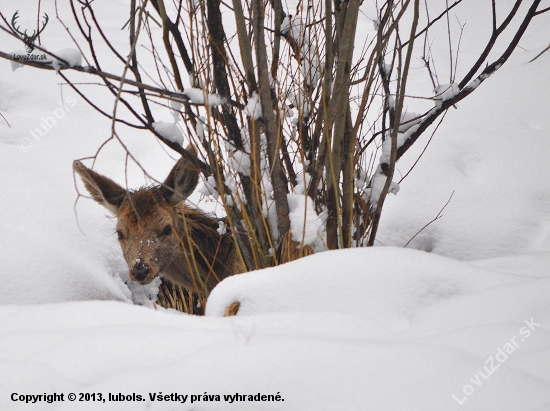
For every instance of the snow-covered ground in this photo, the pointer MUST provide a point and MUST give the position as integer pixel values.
(462, 324)
(381, 328)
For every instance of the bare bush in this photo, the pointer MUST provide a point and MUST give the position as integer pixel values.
(298, 120)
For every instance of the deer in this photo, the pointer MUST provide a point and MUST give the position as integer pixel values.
(29, 40)
(160, 235)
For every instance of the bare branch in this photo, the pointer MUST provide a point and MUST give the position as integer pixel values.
(437, 217)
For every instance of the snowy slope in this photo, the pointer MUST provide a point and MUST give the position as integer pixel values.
(496, 164)
(382, 329)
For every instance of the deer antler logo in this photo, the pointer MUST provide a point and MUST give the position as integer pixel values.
(29, 40)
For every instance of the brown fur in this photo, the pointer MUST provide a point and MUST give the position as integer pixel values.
(159, 234)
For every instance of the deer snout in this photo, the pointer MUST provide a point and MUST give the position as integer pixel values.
(140, 272)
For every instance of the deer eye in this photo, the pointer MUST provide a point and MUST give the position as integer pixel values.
(120, 235)
(166, 231)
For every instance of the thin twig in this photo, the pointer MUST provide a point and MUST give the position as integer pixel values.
(5, 120)
(437, 217)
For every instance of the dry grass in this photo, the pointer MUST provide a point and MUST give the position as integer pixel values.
(291, 250)
(232, 309)
(178, 298)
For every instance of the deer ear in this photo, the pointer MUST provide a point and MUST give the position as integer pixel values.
(103, 190)
(182, 180)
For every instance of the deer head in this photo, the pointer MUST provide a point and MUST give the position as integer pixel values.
(150, 227)
(29, 40)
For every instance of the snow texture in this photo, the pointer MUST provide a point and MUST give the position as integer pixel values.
(240, 162)
(200, 129)
(445, 92)
(293, 26)
(71, 56)
(169, 131)
(209, 187)
(145, 295)
(378, 181)
(253, 109)
(199, 96)
(408, 120)
(306, 226)
(175, 109)
(305, 39)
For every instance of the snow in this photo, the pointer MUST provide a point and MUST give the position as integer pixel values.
(311, 65)
(445, 92)
(293, 26)
(301, 101)
(491, 154)
(169, 131)
(209, 187)
(409, 125)
(144, 294)
(175, 109)
(199, 96)
(200, 128)
(306, 226)
(305, 39)
(314, 331)
(253, 108)
(240, 162)
(408, 120)
(285, 24)
(384, 328)
(71, 56)
(378, 181)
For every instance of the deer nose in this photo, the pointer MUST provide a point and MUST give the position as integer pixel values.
(140, 272)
